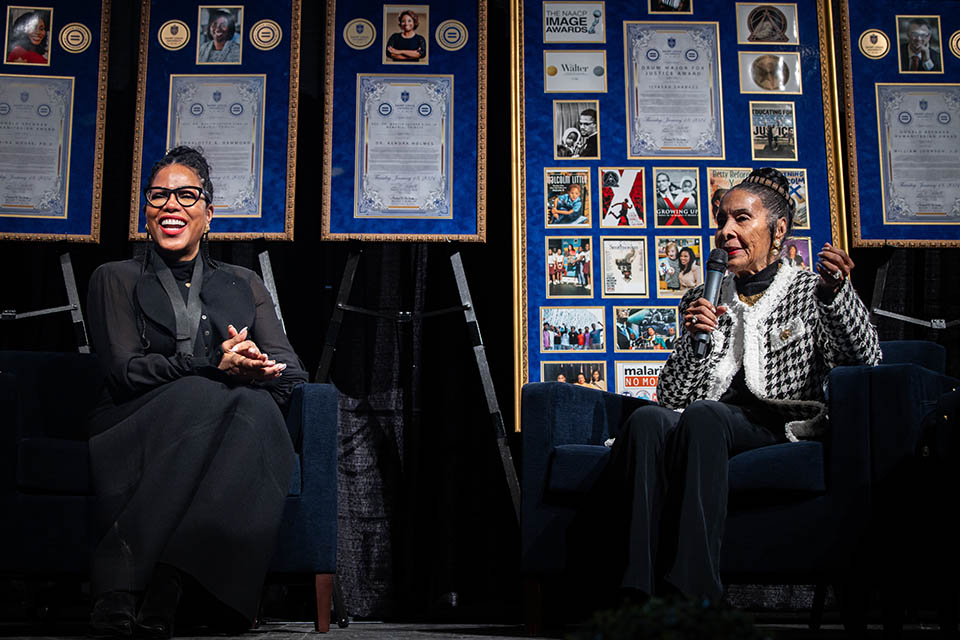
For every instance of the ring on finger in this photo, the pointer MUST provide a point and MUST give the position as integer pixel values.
(838, 275)
(696, 318)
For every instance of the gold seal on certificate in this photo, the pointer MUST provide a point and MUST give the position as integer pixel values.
(955, 44)
(265, 35)
(451, 35)
(75, 38)
(173, 35)
(874, 44)
(359, 33)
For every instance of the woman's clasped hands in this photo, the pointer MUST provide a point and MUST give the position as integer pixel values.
(242, 358)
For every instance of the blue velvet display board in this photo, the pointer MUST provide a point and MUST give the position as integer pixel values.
(224, 78)
(631, 118)
(405, 122)
(53, 90)
(908, 194)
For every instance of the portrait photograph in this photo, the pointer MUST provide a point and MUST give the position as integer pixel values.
(576, 129)
(624, 267)
(798, 193)
(676, 192)
(719, 181)
(796, 252)
(572, 329)
(220, 34)
(770, 72)
(645, 328)
(638, 379)
(676, 7)
(767, 23)
(773, 131)
(622, 198)
(584, 374)
(569, 268)
(679, 265)
(28, 37)
(406, 29)
(567, 193)
(918, 44)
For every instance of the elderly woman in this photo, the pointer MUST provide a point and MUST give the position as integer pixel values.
(189, 452)
(775, 334)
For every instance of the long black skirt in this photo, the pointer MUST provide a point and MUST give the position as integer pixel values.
(192, 474)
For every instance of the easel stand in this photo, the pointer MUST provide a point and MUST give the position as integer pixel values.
(479, 351)
(73, 306)
(880, 284)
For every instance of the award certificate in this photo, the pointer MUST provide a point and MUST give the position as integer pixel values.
(404, 150)
(920, 152)
(36, 116)
(674, 100)
(223, 115)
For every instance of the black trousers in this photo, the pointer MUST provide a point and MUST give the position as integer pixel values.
(671, 470)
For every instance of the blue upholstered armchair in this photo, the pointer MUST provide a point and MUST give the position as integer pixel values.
(46, 497)
(797, 511)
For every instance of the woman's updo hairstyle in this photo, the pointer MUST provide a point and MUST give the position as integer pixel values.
(773, 189)
(188, 157)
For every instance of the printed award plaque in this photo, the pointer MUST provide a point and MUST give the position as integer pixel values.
(222, 78)
(617, 183)
(53, 89)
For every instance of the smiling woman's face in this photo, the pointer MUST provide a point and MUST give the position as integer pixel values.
(173, 227)
(36, 31)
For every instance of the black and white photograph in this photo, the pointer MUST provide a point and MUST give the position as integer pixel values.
(767, 23)
(567, 193)
(918, 44)
(624, 267)
(584, 374)
(770, 72)
(646, 328)
(220, 34)
(572, 329)
(677, 197)
(569, 268)
(576, 129)
(675, 7)
(679, 265)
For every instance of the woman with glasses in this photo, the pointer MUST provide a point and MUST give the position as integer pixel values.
(189, 451)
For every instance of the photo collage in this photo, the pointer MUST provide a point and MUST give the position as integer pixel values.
(627, 228)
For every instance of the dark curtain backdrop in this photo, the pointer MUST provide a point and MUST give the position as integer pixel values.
(425, 516)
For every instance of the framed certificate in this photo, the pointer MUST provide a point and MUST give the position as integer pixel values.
(636, 173)
(52, 112)
(405, 122)
(902, 89)
(222, 78)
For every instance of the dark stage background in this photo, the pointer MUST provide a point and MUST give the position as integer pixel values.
(424, 510)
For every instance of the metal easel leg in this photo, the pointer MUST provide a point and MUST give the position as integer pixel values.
(266, 270)
(73, 298)
(333, 331)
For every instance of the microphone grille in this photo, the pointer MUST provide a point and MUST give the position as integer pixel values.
(717, 260)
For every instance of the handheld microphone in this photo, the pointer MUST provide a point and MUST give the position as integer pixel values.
(716, 267)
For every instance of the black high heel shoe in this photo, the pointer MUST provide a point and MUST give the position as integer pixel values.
(113, 614)
(159, 608)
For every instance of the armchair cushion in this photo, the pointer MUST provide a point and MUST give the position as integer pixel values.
(792, 467)
(575, 468)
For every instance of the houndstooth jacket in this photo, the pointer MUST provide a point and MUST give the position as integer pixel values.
(787, 343)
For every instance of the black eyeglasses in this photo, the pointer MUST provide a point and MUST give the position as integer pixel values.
(186, 196)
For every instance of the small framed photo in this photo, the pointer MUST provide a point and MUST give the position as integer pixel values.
(27, 38)
(767, 23)
(567, 193)
(677, 193)
(220, 34)
(406, 24)
(679, 265)
(676, 7)
(574, 71)
(638, 379)
(798, 193)
(576, 129)
(796, 252)
(624, 267)
(569, 267)
(770, 72)
(773, 131)
(584, 374)
(572, 329)
(578, 21)
(918, 44)
(649, 329)
(622, 200)
(719, 181)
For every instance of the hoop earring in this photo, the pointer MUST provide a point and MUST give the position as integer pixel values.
(775, 251)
